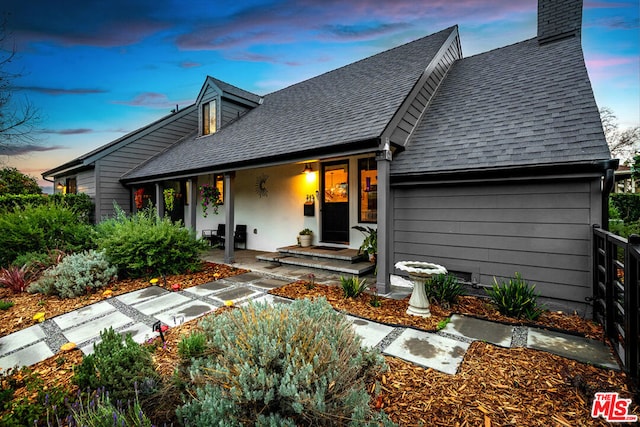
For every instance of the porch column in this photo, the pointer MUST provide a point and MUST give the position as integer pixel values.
(159, 200)
(193, 198)
(229, 245)
(383, 157)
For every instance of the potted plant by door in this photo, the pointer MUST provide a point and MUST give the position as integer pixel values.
(370, 243)
(305, 237)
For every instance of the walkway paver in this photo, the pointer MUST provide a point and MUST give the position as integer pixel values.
(137, 311)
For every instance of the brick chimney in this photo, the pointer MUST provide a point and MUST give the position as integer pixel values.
(558, 19)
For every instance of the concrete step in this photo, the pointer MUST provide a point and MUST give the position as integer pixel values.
(324, 252)
(360, 268)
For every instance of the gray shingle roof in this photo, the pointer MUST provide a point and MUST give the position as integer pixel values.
(350, 104)
(234, 90)
(523, 104)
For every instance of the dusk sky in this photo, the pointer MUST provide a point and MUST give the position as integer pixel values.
(97, 70)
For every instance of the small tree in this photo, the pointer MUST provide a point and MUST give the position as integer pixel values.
(12, 181)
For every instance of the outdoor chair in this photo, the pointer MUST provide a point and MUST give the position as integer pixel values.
(240, 236)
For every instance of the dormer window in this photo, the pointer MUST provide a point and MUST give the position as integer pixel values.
(209, 114)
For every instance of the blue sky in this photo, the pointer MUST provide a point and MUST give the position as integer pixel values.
(97, 70)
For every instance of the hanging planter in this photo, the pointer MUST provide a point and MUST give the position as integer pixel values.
(169, 198)
(210, 198)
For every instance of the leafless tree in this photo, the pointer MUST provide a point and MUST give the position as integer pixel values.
(623, 144)
(18, 117)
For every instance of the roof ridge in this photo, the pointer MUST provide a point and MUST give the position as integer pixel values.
(383, 52)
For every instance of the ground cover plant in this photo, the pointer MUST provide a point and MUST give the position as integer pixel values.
(145, 245)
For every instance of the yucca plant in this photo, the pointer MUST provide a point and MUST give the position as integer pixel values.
(443, 289)
(15, 278)
(516, 298)
(352, 286)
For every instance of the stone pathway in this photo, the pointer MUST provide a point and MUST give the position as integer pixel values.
(136, 313)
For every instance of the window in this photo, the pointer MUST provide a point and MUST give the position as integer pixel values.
(71, 186)
(209, 115)
(368, 190)
(218, 182)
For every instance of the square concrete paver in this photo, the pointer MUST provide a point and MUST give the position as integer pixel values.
(161, 303)
(142, 295)
(270, 283)
(139, 332)
(207, 288)
(84, 314)
(21, 338)
(481, 330)
(27, 356)
(428, 350)
(235, 294)
(244, 278)
(92, 329)
(370, 332)
(269, 299)
(183, 313)
(572, 347)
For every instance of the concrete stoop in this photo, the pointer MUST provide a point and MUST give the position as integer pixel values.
(339, 260)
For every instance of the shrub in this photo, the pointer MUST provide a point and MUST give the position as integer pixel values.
(352, 286)
(298, 364)
(14, 278)
(146, 245)
(76, 275)
(443, 289)
(192, 345)
(38, 262)
(118, 364)
(42, 228)
(516, 298)
(627, 205)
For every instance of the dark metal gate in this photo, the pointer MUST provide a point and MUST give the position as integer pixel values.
(616, 294)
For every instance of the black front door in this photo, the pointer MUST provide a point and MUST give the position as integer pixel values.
(335, 202)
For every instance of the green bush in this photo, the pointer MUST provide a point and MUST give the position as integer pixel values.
(120, 365)
(6, 305)
(76, 275)
(515, 298)
(288, 365)
(352, 286)
(79, 203)
(192, 345)
(147, 245)
(443, 289)
(40, 229)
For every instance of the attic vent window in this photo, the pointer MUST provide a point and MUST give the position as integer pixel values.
(209, 115)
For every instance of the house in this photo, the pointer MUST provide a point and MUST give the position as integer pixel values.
(489, 165)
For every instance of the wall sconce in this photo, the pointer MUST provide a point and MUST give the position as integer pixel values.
(307, 168)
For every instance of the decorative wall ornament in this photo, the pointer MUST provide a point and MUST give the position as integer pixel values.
(261, 185)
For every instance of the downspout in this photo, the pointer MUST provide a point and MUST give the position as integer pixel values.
(607, 188)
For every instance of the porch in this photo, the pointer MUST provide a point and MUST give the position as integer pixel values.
(258, 261)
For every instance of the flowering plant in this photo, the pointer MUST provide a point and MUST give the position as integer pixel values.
(139, 198)
(210, 197)
(169, 197)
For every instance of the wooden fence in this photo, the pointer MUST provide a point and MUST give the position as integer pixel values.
(616, 284)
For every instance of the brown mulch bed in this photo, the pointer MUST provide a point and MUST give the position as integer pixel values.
(26, 305)
(393, 312)
(493, 387)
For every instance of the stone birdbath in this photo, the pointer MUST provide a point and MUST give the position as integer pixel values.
(419, 272)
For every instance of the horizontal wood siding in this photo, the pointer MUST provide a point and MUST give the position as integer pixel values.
(411, 117)
(541, 230)
(86, 182)
(232, 111)
(111, 167)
